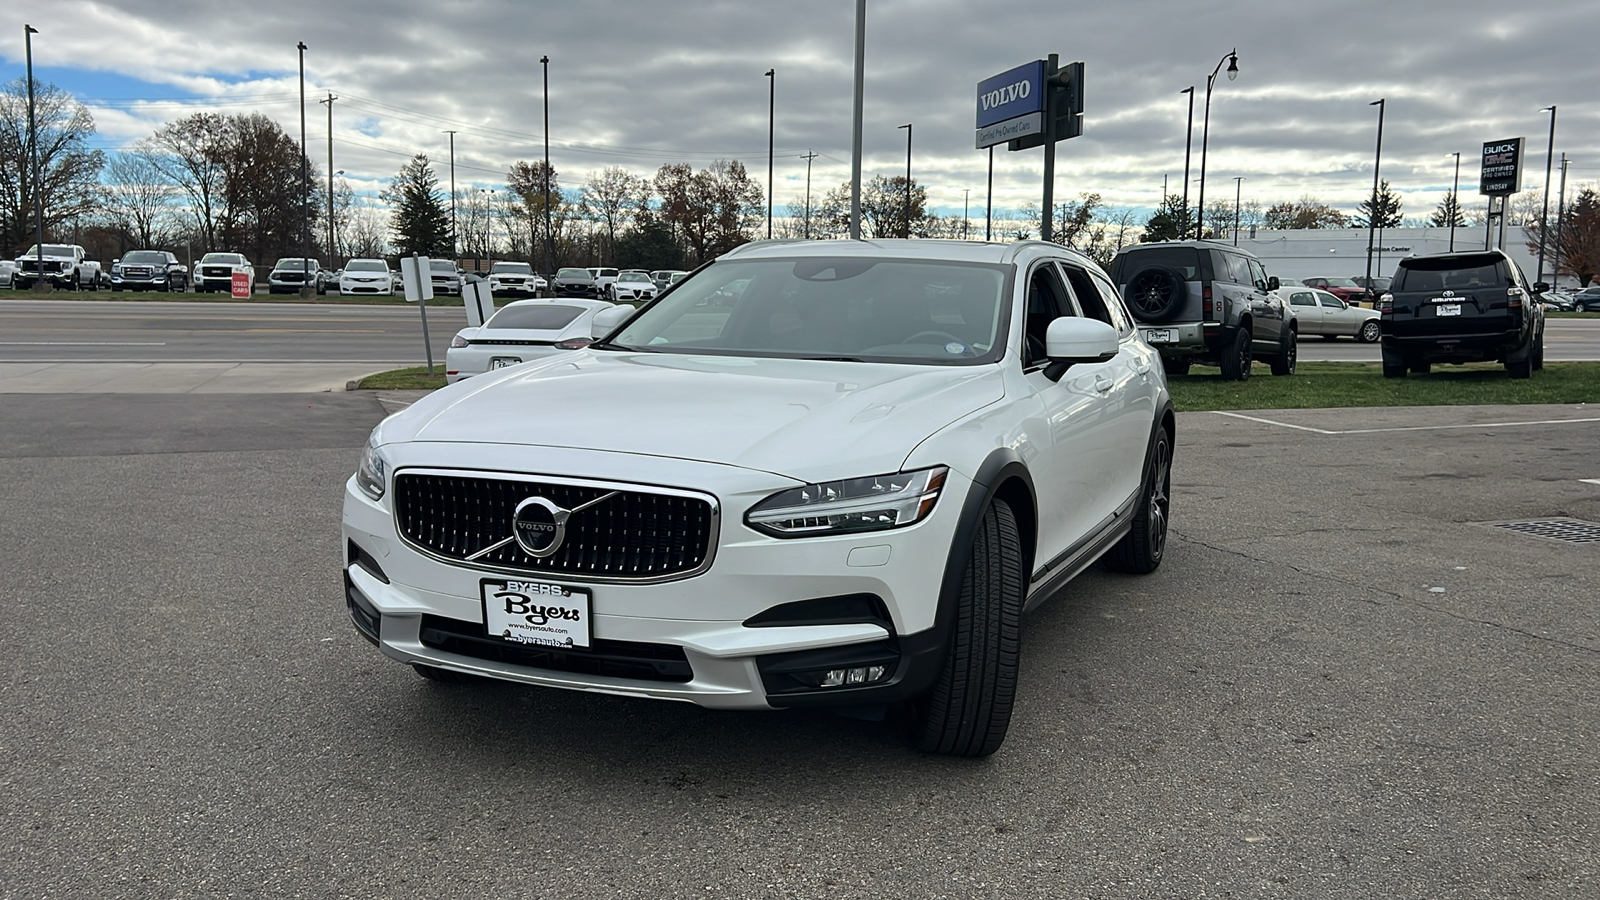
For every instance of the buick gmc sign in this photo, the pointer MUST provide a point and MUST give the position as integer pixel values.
(1011, 104)
(1502, 168)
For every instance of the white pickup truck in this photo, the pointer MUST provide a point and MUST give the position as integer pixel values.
(65, 265)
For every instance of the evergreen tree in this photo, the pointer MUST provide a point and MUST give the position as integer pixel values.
(1448, 213)
(1172, 222)
(1388, 209)
(421, 222)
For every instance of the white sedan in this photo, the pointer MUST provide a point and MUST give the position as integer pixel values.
(633, 287)
(1321, 313)
(519, 332)
(367, 276)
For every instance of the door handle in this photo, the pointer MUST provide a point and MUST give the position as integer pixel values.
(1142, 368)
(1102, 383)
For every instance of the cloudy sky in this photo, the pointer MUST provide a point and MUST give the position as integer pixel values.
(640, 83)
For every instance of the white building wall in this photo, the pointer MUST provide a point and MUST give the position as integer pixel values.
(1342, 252)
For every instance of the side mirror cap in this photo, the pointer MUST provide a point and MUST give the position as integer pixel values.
(1071, 340)
(1540, 287)
(1273, 283)
(608, 320)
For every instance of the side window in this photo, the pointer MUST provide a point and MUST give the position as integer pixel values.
(1331, 302)
(1302, 298)
(1090, 298)
(1120, 318)
(1258, 273)
(1047, 301)
(1236, 267)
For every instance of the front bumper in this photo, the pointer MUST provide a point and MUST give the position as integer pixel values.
(398, 598)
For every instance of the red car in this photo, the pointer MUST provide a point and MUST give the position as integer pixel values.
(1345, 289)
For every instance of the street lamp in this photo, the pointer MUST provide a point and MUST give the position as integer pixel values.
(308, 289)
(810, 155)
(1544, 216)
(1373, 213)
(1561, 221)
(1188, 144)
(772, 100)
(1232, 59)
(907, 127)
(855, 120)
(1455, 202)
(1238, 186)
(549, 240)
(28, 31)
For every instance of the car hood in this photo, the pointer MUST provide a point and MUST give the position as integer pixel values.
(806, 419)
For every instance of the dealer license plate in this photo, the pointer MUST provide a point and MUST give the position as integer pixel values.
(537, 613)
(500, 362)
(1447, 309)
(1157, 335)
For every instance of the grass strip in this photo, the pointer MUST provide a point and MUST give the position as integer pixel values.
(1324, 385)
(415, 378)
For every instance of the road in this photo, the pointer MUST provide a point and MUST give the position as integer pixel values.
(1340, 684)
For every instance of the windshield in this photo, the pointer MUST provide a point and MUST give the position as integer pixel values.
(864, 310)
(441, 265)
(231, 259)
(633, 276)
(1341, 282)
(539, 317)
(144, 257)
(575, 274)
(366, 265)
(511, 269)
(297, 263)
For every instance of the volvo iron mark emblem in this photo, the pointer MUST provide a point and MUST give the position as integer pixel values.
(539, 526)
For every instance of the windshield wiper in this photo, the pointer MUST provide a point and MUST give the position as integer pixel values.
(607, 345)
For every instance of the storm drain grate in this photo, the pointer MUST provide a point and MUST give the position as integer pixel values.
(1572, 531)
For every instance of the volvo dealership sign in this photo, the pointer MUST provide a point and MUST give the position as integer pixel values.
(1501, 175)
(1011, 104)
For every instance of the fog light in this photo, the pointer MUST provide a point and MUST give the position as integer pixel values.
(864, 675)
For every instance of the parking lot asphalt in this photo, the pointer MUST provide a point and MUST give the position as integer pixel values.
(1341, 683)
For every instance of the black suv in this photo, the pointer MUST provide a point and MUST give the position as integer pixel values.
(1461, 308)
(1203, 301)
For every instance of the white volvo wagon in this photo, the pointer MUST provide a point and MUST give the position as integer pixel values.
(814, 474)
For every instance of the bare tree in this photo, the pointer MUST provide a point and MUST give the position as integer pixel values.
(610, 198)
(68, 170)
(365, 233)
(190, 153)
(138, 201)
(713, 210)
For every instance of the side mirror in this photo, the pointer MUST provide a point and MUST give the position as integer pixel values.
(1540, 287)
(1273, 283)
(608, 320)
(1071, 340)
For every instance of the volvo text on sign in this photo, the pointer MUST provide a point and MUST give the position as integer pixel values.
(1010, 104)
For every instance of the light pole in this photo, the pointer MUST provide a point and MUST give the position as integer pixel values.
(332, 253)
(1455, 202)
(308, 289)
(1205, 132)
(1188, 144)
(907, 127)
(855, 127)
(966, 198)
(1372, 218)
(988, 203)
(1238, 187)
(772, 105)
(28, 31)
(1232, 59)
(1544, 215)
(549, 239)
(488, 224)
(453, 253)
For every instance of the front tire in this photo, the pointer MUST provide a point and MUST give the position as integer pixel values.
(968, 710)
(1140, 551)
(1288, 354)
(1236, 358)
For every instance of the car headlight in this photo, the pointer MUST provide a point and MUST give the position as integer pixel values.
(852, 505)
(372, 473)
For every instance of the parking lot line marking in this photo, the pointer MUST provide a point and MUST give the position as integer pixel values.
(1408, 427)
(1271, 422)
(1590, 480)
(82, 344)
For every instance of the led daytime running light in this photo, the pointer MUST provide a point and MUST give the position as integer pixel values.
(873, 503)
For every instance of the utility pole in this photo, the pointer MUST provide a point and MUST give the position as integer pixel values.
(1561, 223)
(1188, 146)
(810, 155)
(1238, 186)
(452, 196)
(855, 126)
(772, 106)
(966, 196)
(907, 127)
(332, 252)
(308, 289)
(1544, 215)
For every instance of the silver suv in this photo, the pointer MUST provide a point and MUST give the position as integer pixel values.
(1205, 302)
